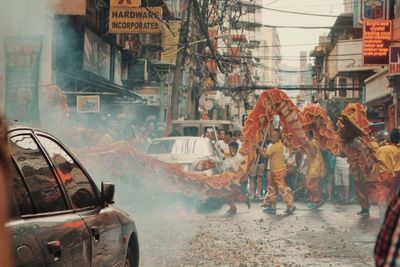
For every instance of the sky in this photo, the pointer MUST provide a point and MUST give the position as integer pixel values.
(290, 54)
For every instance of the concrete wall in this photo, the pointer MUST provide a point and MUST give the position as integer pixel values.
(349, 49)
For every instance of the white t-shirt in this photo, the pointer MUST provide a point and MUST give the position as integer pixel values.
(290, 158)
(224, 146)
(342, 163)
(233, 163)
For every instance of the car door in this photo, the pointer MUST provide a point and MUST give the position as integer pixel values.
(108, 244)
(62, 234)
(25, 247)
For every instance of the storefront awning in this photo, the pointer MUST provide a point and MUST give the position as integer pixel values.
(377, 89)
(379, 101)
(74, 84)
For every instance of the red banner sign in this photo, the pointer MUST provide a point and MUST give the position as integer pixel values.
(376, 41)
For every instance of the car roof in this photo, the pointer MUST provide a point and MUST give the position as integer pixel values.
(180, 138)
(15, 126)
(21, 126)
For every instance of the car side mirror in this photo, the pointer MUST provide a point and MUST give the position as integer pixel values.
(107, 192)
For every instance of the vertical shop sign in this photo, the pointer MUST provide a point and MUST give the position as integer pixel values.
(22, 56)
(376, 41)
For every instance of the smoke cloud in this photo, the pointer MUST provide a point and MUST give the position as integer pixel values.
(162, 214)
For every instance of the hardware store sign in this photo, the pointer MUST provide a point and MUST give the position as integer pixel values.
(135, 19)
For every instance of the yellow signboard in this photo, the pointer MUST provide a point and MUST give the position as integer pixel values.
(125, 3)
(68, 7)
(135, 20)
(170, 41)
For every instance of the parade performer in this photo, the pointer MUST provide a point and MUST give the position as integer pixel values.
(387, 170)
(315, 172)
(356, 144)
(321, 137)
(277, 184)
(387, 245)
(119, 159)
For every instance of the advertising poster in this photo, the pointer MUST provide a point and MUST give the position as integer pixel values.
(97, 55)
(22, 56)
(88, 104)
(376, 41)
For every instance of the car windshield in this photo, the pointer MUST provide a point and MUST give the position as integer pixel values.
(181, 146)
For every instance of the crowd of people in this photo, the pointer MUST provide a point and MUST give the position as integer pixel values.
(321, 176)
(308, 175)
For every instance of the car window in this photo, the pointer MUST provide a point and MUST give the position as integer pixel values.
(161, 147)
(191, 131)
(21, 195)
(200, 146)
(76, 183)
(42, 184)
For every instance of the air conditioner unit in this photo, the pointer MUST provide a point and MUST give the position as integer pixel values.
(137, 72)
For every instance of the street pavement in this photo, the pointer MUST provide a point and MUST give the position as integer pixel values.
(334, 235)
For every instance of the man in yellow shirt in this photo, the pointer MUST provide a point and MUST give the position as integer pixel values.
(277, 183)
(387, 245)
(388, 168)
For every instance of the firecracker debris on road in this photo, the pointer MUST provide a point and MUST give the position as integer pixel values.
(331, 236)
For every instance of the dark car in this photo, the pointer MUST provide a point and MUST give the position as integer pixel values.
(58, 215)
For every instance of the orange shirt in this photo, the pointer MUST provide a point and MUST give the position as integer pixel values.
(276, 157)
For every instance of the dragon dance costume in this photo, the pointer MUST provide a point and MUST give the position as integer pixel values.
(277, 184)
(315, 171)
(121, 160)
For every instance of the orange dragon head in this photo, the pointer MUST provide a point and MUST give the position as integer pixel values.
(317, 120)
(353, 122)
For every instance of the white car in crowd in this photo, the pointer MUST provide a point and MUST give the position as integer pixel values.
(194, 154)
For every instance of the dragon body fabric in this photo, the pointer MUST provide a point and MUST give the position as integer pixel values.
(364, 157)
(120, 158)
(355, 141)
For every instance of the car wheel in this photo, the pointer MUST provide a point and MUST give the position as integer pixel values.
(129, 260)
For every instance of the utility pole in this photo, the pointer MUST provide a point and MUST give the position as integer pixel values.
(180, 59)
